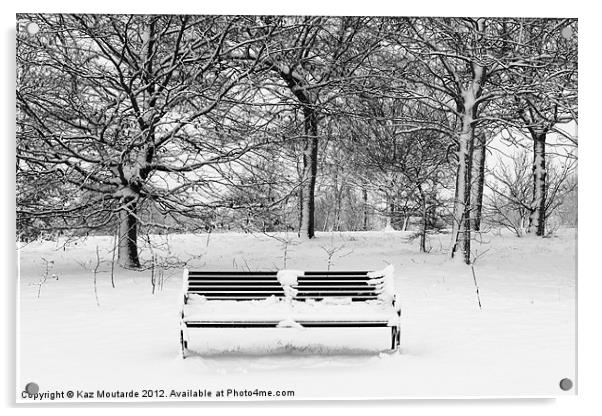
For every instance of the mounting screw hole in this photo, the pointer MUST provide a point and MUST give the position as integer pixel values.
(32, 28)
(567, 32)
(566, 384)
(32, 388)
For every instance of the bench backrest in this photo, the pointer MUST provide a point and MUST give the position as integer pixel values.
(317, 285)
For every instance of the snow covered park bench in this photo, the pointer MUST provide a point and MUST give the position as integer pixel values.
(289, 299)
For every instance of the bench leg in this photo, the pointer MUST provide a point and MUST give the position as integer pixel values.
(183, 344)
(395, 338)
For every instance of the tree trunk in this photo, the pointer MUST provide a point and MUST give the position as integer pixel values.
(406, 221)
(537, 216)
(326, 219)
(461, 227)
(461, 234)
(339, 209)
(365, 198)
(310, 169)
(478, 173)
(300, 216)
(127, 253)
(424, 223)
(389, 225)
(337, 192)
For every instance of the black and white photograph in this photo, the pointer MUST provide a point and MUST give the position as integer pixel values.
(292, 207)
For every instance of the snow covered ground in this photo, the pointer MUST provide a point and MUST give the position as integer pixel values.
(521, 343)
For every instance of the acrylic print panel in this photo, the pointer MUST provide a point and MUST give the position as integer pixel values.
(293, 207)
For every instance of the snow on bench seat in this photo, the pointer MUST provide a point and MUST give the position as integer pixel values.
(198, 308)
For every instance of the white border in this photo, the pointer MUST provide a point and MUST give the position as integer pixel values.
(589, 202)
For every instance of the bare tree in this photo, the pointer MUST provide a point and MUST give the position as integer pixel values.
(508, 203)
(313, 58)
(454, 54)
(124, 123)
(547, 99)
(201, 122)
(464, 67)
(407, 166)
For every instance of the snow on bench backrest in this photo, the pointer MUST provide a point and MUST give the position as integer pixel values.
(290, 285)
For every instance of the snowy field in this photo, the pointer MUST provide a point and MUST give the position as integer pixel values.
(521, 343)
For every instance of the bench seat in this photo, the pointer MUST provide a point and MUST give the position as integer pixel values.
(199, 309)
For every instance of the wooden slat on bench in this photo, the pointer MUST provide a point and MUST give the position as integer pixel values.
(232, 277)
(234, 283)
(274, 281)
(239, 290)
(266, 294)
(335, 278)
(208, 286)
(269, 274)
(236, 290)
(239, 296)
(272, 324)
(332, 291)
(201, 285)
(354, 298)
(338, 284)
(258, 285)
(233, 324)
(332, 287)
(335, 272)
(232, 272)
(331, 324)
(301, 285)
